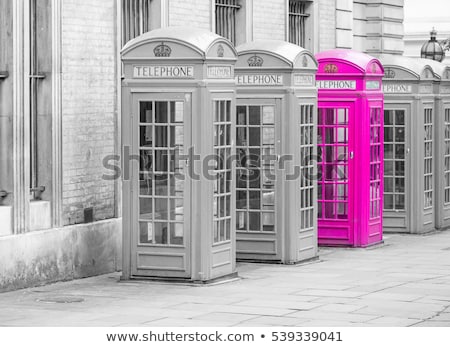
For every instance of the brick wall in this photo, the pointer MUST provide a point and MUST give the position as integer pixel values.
(88, 106)
(195, 13)
(269, 19)
(327, 24)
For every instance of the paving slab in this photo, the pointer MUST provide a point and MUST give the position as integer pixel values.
(404, 283)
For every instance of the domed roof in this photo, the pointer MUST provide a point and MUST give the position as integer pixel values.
(432, 49)
(361, 61)
(198, 39)
(416, 68)
(284, 50)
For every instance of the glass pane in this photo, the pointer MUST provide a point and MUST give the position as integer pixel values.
(400, 117)
(241, 220)
(268, 221)
(146, 136)
(399, 202)
(161, 111)
(145, 160)
(254, 221)
(388, 134)
(388, 184)
(145, 208)
(268, 136)
(254, 136)
(399, 151)
(241, 113)
(241, 199)
(176, 233)
(160, 233)
(255, 200)
(399, 184)
(146, 112)
(254, 113)
(161, 159)
(389, 151)
(145, 232)
(145, 184)
(399, 134)
(389, 167)
(161, 138)
(268, 115)
(388, 202)
(178, 112)
(388, 117)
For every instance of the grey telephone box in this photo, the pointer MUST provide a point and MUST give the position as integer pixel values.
(442, 142)
(178, 111)
(409, 140)
(276, 143)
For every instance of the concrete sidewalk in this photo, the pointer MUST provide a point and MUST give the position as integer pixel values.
(405, 282)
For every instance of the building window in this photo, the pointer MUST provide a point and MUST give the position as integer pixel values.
(136, 18)
(40, 89)
(428, 158)
(447, 157)
(226, 11)
(297, 22)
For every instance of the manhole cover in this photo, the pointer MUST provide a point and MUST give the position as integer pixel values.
(61, 299)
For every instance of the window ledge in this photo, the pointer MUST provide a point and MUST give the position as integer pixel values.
(6, 218)
(40, 215)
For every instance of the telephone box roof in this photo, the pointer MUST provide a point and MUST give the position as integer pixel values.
(198, 39)
(283, 50)
(361, 61)
(417, 67)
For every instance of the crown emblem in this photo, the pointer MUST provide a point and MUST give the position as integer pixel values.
(255, 61)
(304, 61)
(330, 68)
(220, 51)
(374, 68)
(162, 50)
(388, 73)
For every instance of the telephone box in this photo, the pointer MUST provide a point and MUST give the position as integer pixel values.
(350, 145)
(276, 144)
(178, 112)
(409, 168)
(441, 91)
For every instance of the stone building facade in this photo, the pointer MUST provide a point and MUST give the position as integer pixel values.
(60, 75)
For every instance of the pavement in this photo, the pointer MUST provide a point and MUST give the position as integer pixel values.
(405, 282)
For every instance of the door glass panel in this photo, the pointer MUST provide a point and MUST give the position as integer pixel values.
(306, 156)
(428, 157)
(447, 156)
(332, 163)
(394, 160)
(161, 179)
(255, 174)
(222, 186)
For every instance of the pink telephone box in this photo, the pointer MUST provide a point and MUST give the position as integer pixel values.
(350, 149)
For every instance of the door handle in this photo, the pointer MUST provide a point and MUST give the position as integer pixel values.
(351, 154)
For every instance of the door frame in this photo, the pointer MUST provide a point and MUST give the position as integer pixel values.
(350, 105)
(277, 235)
(169, 251)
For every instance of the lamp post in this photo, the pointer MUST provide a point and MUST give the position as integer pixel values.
(432, 49)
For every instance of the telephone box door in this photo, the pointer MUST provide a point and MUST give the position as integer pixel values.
(335, 173)
(160, 239)
(258, 234)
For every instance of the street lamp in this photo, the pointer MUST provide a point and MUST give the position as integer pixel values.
(432, 49)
